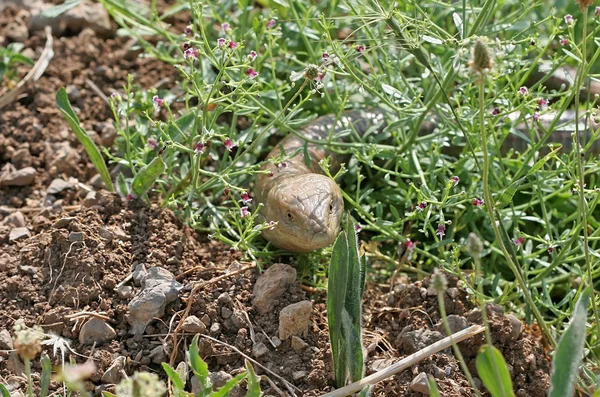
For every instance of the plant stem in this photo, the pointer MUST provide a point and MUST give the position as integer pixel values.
(27, 363)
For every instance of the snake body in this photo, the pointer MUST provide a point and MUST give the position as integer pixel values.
(308, 205)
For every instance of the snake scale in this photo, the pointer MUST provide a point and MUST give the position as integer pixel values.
(308, 205)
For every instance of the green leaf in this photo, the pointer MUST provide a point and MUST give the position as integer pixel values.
(199, 367)
(540, 163)
(493, 372)
(122, 185)
(433, 387)
(509, 193)
(569, 352)
(55, 11)
(147, 176)
(2, 70)
(253, 382)
(307, 159)
(90, 147)
(227, 387)
(108, 394)
(174, 377)
(4, 391)
(46, 374)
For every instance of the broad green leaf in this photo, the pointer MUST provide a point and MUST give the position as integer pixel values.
(46, 374)
(227, 387)
(493, 372)
(4, 391)
(569, 352)
(253, 382)
(90, 147)
(174, 377)
(509, 193)
(433, 387)
(108, 394)
(197, 364)
(147, 176)
(55, 11)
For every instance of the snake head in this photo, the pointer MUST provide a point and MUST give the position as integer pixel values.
(308, 209)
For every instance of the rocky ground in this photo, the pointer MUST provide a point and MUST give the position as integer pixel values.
(115, 277)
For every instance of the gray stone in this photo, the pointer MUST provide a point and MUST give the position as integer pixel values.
(22, 177)
(226, 312)
(91, 199)
(18, 233)
(6, 342)
(456, 323)
(112, 375)
(159, 289)
(215, 329)
(106, 234)
(225, 299)
(88, 14)
(158, 355)
(295, 320)
(75, 236)
(297, 375)
(124, 291)
(271, 285)
(64, 157)
(14, 364)
(96, 182)
(73, 93)
(193, 325)
(57, 186)
(16, 219)
(219, 379)
(420, 384)
(259, 350)
(414, 341)
(17, 30)
(138, 274)
(516, 326)
(298, 344)
(63, 222)
(96, 331)
(38, 21)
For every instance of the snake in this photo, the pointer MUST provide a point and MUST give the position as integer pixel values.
(306, 206)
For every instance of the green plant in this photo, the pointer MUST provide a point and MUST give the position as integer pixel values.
(10, 58)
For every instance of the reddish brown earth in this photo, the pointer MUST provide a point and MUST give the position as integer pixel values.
(47, 278)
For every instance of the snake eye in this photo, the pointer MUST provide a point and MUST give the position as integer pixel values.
(330, 207)
(290, 217)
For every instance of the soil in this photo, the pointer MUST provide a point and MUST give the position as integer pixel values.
(68, 270)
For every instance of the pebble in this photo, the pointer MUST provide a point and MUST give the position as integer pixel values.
(225, 299)
(124, 291)
(226, 312)
(63, 222)
(215, 329)
(88, 14)
(298, 344)
(414, 341)
(96, 331)
(158, 355)
(297, 375)
(17, 30)
(271, 285)
(456, 323)
(6, 342)
(75, 236)
(57, 186)
(18, 233)
(113, 373)
(73, 93)
(14, 364)
(37, 21)
(22, 177)
(420, 384)
(259, 350)
(16, 219)
(90, 200)
(193, 325)
(138, 274)
(295, 320)
(159, 289)
(516, 326)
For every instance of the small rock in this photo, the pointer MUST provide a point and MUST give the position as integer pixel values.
(124, 291)
(276, 342)
(18, 233)
(297, 375)
(414, 341)
(17, 31)
(73, 93)
(215, 329)
(159, 289)
(474, 316)
(37, 21)
(382, 363)
(298, 344)
(456, 323)
(29, 270)
(120, 234)
(219, 379)
(259, 350)
(420, 384)
(16, 219)
(96, 182)
(90, 199)
(108, 134)
(64, 157)
(63, 222)
(494, 309)
(88, 15)
(295, 320)
(75, 236)
(225, 299)
(21, 158)
(96, 330)
(193, 325)
(271, 285)
(138, 274)
(22, 177)
(6, 342)
(453, 293)
(158, 355)
(106, 234)
(226, 312)
(516, 327)
(113, 373)
(57, 186)
(206, 320)
(14, 365)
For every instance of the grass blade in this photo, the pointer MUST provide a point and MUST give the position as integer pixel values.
(57, 10)
(253, 382)
(569, 352)
(227, 387)
(493, 372)
(174, 377)
(46, 374)
(90, 147)
(4, 391)
(433, 388)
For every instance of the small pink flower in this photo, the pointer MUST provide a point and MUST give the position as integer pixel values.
(568, 19)
(130, 196)
(272, 225)
(157, 102)
(477, 202)
(189, 29)
(410, 245)
(542, 102)
(244, 212)
(325, 56)
(532, 42)
(550, 250)
(226, 192)
(564, 42)
(281, 165)
(421, 206)
(271, 174)
(190, 53)
(246, 198)
(360, 48)
(229, 144)
(441, 230)
(251, 73)
(151, 143)
(271, 23)
(115, 95)
(495, 112)
(232, 250)
(220, 42)
(233, 45)
(519, 241)
(320, 77)
(358, 228)
(536, 117)
(199, 148)
(523, 91)
(225, 27)
(597, 11)
(455, 180)
(252, 55)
